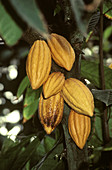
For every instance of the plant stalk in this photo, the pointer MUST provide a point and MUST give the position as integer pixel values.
(102, 79)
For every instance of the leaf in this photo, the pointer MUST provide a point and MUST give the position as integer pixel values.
(29, 12)
(23, 85)
(93, 21)
(90, 71)
(51, 162)
(106, 6)
(29, 110)
(8, 157)
(77, 7)
(110, 123)
(57, 9)
(25, 155)
(48, 143)
(107, 33)
(31, 95)
(98, 127)
(9, 31)
(108, 146)
(104, 96)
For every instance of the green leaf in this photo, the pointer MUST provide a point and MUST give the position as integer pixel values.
(26, 154)
(29, 110)
(110, 123)
(90, 71)
(8, 157)
(31, 95)
(98, 127)
(9, 31)
(107, 33)
(106, 6)
(104, 96)
(48, 143)
(51, 162)
(29, 12)
(57, 9)
(23, 85)
(108, 146)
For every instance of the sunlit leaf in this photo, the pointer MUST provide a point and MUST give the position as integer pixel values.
(29, 110)
(107, 9)
(9, 30)
(90, 71)
(103, 95)
(29, 12)
(23, 85)
(31, 95)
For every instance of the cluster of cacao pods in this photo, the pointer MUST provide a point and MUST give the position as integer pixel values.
(56, 89)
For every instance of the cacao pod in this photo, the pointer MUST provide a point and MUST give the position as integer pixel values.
(54, 84)
(110, 66)
(62, 52)
(79, 128)
(78, 96)
(51, 111)
(38, 64)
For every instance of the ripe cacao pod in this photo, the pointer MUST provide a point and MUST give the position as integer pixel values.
(110, 66)
(79, 128)
(51, 111)
(62, 52)
(78, 96)
(54, 84)
(38, 64)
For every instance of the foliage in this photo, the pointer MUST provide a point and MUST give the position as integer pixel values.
(33, 149)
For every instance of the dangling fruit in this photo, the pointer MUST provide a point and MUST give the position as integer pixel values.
(79, 128)
(62, 52)
(51, 111)
(38, 64)
(78, 96)
(54, 84)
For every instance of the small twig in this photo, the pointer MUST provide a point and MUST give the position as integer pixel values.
(108, 10)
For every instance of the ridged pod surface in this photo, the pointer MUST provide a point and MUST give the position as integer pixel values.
(78, 96)
(51, 111)
(54, 84)
(62, 52)
(38, 64)
(79, 128)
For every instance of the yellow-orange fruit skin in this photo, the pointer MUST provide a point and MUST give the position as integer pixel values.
(110, 66)
(38, 64)
(78, 96)
(51, 111)
(79, 128)
(62, 52)
(54, 84)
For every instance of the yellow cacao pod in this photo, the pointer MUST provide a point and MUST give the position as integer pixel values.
(38, 64)
(51, 111)
(62, 52)
(54, 84)
(79, 128)
(110, 66)
(78, 96)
